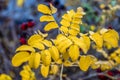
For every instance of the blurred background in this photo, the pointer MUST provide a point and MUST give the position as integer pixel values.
(14, 17)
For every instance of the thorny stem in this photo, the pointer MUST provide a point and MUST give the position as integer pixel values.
(61, 72)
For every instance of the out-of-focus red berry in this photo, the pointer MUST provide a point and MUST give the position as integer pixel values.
(102, 77)
(22, 40)
(30, 24)
(24, 26)
(110, 27)
(98, 70)
(110, 73)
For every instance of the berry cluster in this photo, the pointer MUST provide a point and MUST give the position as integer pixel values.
(25, 26)
(111, 73)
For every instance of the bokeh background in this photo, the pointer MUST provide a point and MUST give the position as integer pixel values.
(13, 33)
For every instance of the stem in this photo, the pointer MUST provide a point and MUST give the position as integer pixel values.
(61, 72)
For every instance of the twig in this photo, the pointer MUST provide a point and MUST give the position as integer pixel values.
(61, 72)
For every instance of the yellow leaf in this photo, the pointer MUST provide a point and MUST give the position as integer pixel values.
(65, 55)
(60, 38)
(65, 23)
(25, 48)
(20, 58)
(86, 40)
(111, 37)
(46, 57)
(97, 38)
(38, 45)
(34, 60)
(62, 47)
(67, 17)
(54, 53)
(59, 61)
(54, 69)
(80, 42)
(67, 63)
(53, 9)
(75, 26)
(74, 52)
(71, 13)
(76, 21)
(78, 15)
(5, 77)
(46, 18)
(102, 31)
(117, 59)
(44, 71)
(73, 32)
(47, 43)
(85, 62)
(80, 11)
(43, 9)
(64, 29)
(50, 26)
(34, 38)
(20, 3)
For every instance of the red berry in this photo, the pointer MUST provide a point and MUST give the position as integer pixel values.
(24, 26)
(110, 27)
(110, 73)
(22, 40)
(98, 70)
(102, 77)
(30, 24)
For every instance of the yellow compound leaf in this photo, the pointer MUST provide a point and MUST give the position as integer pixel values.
(47, 43)
(46, 18)
(20, 58)
(50, 26)
(44, 71)
(65, 23)
(43, 9)
(53, 9)
(85, 62)
(54, 69)
(67, 17)
(25, 48)
(46, 57)
(20, 3)
(111, 37)
(34, 60)
(74, 52)
(54, 53)
(97, 38)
